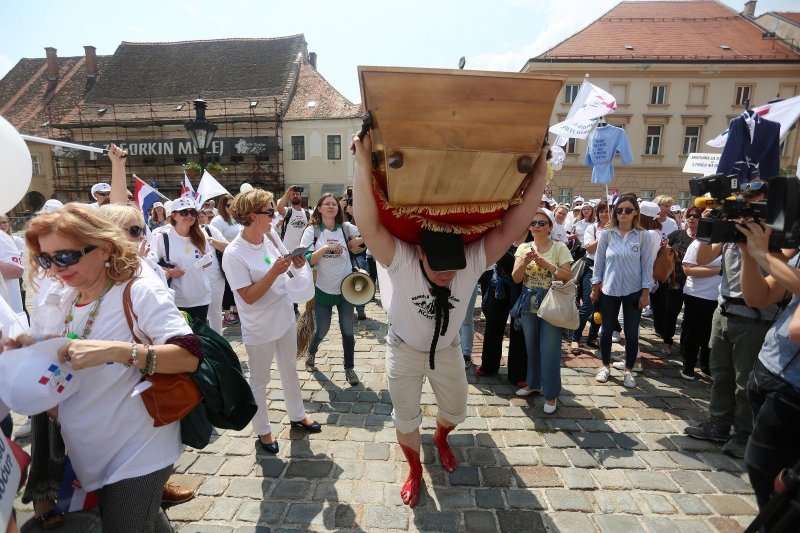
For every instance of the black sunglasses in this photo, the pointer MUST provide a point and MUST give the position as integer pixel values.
(136, 231)
(101, 193)
(63, 258)
(269, 212)
(626, 210)
(694, 215)
(540, 223)
(188, 212)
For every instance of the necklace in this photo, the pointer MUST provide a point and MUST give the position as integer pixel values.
(88, 318)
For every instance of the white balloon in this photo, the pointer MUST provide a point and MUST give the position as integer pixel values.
(245, 187)
(17, 168)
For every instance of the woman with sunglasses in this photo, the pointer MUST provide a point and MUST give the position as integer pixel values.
(622, 276)
(113, 446)
(668, 299)
(255, 264)
(184, 253)
(215, 276)
(538, 263)
(226, 223)
(327, 237)
(591, 235)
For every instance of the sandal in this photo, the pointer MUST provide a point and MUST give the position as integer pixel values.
(51, 519)
(575, 350)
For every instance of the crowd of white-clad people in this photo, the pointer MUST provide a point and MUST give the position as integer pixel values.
(230, 262)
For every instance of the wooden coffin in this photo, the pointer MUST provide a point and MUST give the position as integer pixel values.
(455, 137)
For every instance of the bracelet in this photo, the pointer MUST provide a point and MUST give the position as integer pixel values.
(147, 361)
(132, 361)
(152, 358)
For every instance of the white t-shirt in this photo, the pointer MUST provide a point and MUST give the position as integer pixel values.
(214, 271)
(269, 317)
(294, 228)
(559, 233)
(668, 226)
(193, 289)
(706, 288)
(332, 268)
(109, 434)
(10, 254)
(580, 228)
(591, 234)
(228, 230)
(411, 312)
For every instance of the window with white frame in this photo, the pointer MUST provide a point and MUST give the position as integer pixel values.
(743, 93)
(653, 142)
(647, 194)
(564, 196)
(334, 146)
(571, 146)
(691, 139)
(37, 165)
(570, 92)
(684, 197)
(658, 95)
(298, 147)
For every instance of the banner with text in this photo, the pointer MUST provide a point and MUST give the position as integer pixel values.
(705, 164)
(227, 146)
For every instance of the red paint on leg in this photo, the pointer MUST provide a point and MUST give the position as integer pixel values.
(445, 453)
(410, 491)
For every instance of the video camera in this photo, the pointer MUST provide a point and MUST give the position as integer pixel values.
(779, 211)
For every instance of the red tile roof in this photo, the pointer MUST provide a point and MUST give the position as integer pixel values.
(792, 16)
(674, 31)
(315, 98)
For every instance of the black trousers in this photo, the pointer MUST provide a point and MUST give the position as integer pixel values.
(496, 313)
(666, 305)
(696, 331)
(198, 313)
(773, 445)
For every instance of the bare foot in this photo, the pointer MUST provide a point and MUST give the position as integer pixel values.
(445, 453)
(410, 491)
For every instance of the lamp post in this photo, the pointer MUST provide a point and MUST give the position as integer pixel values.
(201, 132)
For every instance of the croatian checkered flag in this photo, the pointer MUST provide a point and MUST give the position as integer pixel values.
(72, 497)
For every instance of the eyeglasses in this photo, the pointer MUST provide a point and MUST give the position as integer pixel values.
(100, 193)
(4, 222)
(540, 223)
(694, 215)
(754, 185)
(187, 212)
(63, 258)
(135, 231)
(626, 210)
(269, 212)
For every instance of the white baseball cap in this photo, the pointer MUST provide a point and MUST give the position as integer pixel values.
(157, 204)
(50, 206)
(649, 209)
(675, 208)
(183, 202)
(101, 187)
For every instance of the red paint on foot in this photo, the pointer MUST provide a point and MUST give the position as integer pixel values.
(445, 453)
(410, 491)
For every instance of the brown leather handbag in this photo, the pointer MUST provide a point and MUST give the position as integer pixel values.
(170, 397)
(664, 266)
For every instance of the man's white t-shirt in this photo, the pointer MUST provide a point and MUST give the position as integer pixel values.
(10, 254)
(411, 313)
(333, 267)
(706, 288)
(269, 317)
(193, 289)
(109, 433)
(668, 226)
(294, 227)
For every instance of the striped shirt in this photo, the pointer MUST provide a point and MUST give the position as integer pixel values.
(624, 264)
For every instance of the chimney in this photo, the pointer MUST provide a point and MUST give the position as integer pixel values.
(312, 58)
(749, 9)
(91, 65)
(52, 63)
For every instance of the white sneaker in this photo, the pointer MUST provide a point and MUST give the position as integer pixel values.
(628, 380)
(24, 430)
(620, 365)
(647, 312)
(615, 337)
(602, 374)
(550, 409)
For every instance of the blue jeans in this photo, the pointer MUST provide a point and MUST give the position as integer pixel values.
(322, 323)
(609, 306)
(468, 325)
(543, 343)
(587, 307)
(361, 262)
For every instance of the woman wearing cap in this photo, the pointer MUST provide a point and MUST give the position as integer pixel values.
(539, 263)
(255, 264)
(158, 216)
(114, 448)
(184, 253)
(327, 237)
(591, 235)
(622, 276)
(215, 276)
(226, 223)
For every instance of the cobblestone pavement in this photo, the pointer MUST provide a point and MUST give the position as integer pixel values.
(610, 459)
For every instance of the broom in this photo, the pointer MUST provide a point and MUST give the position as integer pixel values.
(305, 329)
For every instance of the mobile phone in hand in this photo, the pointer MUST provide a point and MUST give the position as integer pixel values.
(299, 252)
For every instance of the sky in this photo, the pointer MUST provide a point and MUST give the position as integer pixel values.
(490, 34)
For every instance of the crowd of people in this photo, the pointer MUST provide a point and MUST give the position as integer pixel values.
(232, 262)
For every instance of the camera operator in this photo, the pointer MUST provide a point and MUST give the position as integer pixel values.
(774, 385)
(737, 333)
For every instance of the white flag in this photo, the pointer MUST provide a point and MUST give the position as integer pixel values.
(209, 188)
(590, 104)
(785, 112)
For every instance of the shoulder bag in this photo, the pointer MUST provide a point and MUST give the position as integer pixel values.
(558, 306)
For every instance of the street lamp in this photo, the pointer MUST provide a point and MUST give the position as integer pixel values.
(201, 132)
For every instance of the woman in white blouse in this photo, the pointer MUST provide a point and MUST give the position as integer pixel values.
(226, 223)
(255, 264)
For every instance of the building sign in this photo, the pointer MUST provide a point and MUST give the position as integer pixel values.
(172, 148)
(705, 164)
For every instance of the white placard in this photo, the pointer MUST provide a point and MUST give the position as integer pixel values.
(704, 164)
(9, 482)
